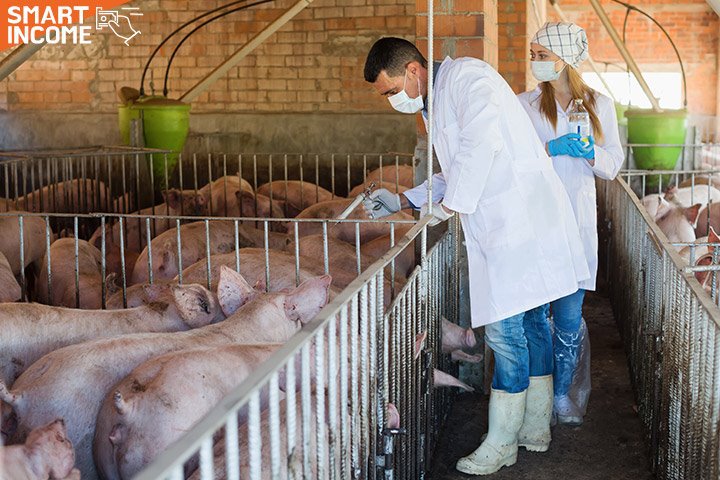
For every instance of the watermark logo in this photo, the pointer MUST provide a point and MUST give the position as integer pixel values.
(118, 22)
(51, 22)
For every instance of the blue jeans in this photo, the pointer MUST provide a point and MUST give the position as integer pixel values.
(522, 345)
(567, 317)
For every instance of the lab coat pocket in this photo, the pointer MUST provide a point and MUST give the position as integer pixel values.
(586, 208)
(446, 143)
(504, 220)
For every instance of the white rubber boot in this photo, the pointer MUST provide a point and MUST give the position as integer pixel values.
(505, 416)
(535, 431)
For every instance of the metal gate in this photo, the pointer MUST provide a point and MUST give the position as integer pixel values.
(671, 330)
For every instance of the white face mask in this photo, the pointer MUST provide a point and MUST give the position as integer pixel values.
(403, 103)
(545, 71)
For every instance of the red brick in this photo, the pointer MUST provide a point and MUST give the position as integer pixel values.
(454, 25)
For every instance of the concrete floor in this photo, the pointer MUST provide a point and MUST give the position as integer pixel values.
(608, 446)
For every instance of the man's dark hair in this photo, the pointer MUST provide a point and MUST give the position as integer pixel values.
(392, 55)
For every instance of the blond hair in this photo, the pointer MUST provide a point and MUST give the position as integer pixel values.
(578, 89)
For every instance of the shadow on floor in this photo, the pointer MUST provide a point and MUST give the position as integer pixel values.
(608, 446)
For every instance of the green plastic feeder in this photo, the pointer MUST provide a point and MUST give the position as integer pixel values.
(651, 127)
(166, 123)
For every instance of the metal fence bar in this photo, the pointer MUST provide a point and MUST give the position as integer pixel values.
(670, 327)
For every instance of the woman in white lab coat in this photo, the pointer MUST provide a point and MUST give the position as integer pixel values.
(556, 51)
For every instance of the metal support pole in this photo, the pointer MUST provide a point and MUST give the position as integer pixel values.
(623, 51)
(224, 67)
(17, 57)
(591, 62)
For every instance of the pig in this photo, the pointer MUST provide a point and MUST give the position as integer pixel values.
(290, 467)
(677, 223)
(391, 186)
(135, 295)
(31, 330)
(701, 180)
(70, 196)
(114, 254)
(34, 240)
(655, 205)
(221, 195)
(456, 339)
(63, 290)
(71, 382)
(708, 217)
(252, 268)
(192, 235)
(162, 399)
(442, 379)
(47, 454)
(701, 248)
(260, 206)
(346, 231)
(686, 197)
(401, 175)
(404, 262)
(296, 195)
(177, 202)
(342, 258)
(10, 290)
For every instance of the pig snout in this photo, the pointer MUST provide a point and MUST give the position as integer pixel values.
(455, 337)
(442, 379)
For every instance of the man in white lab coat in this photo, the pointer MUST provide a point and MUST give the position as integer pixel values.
(523, 244)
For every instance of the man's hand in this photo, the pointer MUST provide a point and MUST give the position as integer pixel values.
(439, 213)
(381, 203)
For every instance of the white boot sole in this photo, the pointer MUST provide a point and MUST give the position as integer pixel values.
(469, 467)
(535, 447)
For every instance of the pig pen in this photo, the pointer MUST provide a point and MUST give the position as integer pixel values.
(377, 415)
(669, 320)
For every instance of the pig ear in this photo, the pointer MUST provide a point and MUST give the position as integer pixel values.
(691, 213)
(195, 304)
(155, 291)
(713, 237)
(121, 406)
(8, 397)
(670, 191)
(233, 290)
(308, 299)
(173, 198)
(111, 285)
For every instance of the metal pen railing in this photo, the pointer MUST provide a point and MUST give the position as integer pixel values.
(671, 331)
(355, 361)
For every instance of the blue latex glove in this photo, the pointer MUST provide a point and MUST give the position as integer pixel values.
(569, 144)
(590, 148)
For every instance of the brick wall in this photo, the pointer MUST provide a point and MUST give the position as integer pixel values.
(461, 28)
(313, 64)
(517, 23)
(693, 26)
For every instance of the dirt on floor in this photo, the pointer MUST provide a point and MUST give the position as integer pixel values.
(609, 445)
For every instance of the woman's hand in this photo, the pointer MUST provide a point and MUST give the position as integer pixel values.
(570, 144)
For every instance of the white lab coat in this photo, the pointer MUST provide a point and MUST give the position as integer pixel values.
(523, 245)
(577, 174)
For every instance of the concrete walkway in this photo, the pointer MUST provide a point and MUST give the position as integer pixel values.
(608, 446)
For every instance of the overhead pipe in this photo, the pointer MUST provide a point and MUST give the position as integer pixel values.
(235, 58)
(624, 52)
(591, 62)
(17, 57)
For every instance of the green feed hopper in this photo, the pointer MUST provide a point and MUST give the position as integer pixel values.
(660, 128)
(166, 123)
